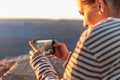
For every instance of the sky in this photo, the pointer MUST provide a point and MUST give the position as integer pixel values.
(39, 9)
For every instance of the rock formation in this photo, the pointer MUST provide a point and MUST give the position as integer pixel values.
(18, 68)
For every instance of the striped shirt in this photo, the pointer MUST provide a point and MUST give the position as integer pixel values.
(96, 56)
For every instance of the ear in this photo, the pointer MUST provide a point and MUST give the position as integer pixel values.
(101, 5)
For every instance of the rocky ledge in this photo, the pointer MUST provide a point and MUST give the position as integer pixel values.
(18, 68)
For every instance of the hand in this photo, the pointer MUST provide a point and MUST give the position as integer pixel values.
(61, 50)
(35, 50)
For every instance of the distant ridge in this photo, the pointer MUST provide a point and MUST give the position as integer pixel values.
(53, 19)
(15, 33)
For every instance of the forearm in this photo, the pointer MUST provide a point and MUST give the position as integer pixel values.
(43, 68)
(67, 59)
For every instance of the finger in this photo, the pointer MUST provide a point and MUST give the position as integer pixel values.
(58, 45)
(55, 41)
(30, 57)
(33, 46)
(31, 52)
(53, 56)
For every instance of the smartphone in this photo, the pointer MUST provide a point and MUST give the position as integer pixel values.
(46, 46)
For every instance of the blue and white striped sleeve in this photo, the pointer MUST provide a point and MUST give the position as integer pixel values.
(43, 68)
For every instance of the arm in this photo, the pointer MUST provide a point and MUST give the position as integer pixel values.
(67, 59)
(41, 65)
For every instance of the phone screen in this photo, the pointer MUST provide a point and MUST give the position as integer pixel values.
(46, 46)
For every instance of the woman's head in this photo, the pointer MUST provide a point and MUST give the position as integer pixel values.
(95, 11)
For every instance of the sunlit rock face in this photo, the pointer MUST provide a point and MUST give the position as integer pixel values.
(18, 68)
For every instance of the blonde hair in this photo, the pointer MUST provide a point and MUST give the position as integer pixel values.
(87, 1)
(114, 6)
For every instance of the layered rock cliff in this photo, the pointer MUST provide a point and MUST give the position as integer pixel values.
(18, 68)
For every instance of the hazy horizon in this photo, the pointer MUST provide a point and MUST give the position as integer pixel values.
(15, 34)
